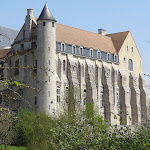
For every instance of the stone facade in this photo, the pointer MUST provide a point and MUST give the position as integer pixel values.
(98, 76)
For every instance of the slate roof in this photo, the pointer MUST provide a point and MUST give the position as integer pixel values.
(7, 36)
(46, 14)
(118, 39)
(87, 39)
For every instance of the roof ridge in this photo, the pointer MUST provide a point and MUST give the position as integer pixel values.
(84, 30)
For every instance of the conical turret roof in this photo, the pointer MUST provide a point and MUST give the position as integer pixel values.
(46, 14)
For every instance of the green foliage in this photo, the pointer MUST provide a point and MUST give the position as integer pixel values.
(7, 130)
(2, 147)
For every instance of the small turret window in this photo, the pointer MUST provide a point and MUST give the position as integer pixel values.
(43, 23)
(53, 24)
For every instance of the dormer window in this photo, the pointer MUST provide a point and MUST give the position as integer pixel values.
(74, 49)
(98, 54)
(63, 47)
(81, 50)
(108, 56)
(115, 57)
(43, 23)
(91, 52)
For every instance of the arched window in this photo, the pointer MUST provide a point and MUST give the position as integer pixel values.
(17, 67)
(74, 49)
(81, 50)
(98, 54)
(91, 52)
(115, 57)
(63, 47)
(130, 65)
(108, 56)
(64, 66)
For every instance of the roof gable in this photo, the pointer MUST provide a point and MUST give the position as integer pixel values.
(118, 39)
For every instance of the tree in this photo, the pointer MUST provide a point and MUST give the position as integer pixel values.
(7, 132)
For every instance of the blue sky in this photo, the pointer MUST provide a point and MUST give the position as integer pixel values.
(114, 16)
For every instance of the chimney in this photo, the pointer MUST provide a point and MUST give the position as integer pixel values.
(102, 31)
(29, 11)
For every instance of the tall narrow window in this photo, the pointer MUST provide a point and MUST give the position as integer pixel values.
(35, 66)
(17, 67)
(132, 49)
(108, 56)
(49, 62)
(58, 94)
(74, 49)
(33, 45)
(81, 51)
(63, 47)
(101, 99)
(23, 34)
(35, 100)
(115, 58)
(130, 65)
(98, 54)
(91, 53)
(43, 23)
(127, 48)
(64, 66)
(53, 24)
(22, 47)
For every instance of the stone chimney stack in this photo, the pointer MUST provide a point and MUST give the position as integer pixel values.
(28, 23)
(102, 31)
(29, 11)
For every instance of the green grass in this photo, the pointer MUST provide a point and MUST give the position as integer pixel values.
(2, 147)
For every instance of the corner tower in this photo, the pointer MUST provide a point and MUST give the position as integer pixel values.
(46, 72)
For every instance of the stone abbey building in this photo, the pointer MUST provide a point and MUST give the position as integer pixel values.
(101, 68)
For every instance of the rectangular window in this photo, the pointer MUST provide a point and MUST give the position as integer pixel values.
(22, 47)
(43, 23)
(35, 100)
(53, 24)
(58, 94)
(49, 62)
(35, 66)
(33, 45)
(49, 79)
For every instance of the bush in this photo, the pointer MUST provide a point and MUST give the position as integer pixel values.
(76, 132)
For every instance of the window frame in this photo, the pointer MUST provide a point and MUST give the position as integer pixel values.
(63, 44)
(98, 54)
(74, 49)
(91, 52)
